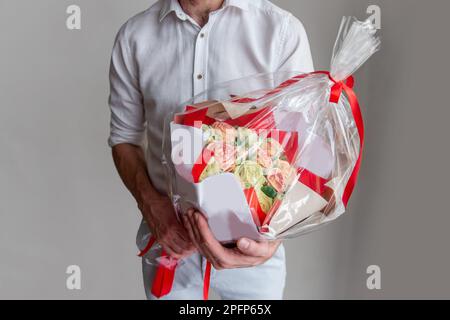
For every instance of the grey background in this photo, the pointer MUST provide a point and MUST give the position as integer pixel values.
(62, 203)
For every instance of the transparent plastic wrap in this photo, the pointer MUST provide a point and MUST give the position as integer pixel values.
(271, 156)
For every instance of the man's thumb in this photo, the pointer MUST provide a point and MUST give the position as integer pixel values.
(252, 248)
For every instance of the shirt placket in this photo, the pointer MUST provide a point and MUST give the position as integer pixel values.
(200, 74)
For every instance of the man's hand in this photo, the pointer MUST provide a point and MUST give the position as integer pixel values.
(165, 227)
(157, 210)
(248, 253)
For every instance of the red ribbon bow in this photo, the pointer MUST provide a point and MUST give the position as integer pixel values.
(336, 89)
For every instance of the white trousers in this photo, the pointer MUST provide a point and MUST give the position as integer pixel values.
(263, 282)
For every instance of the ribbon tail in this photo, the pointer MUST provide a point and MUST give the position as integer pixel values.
(163, 281)
(357, 115)
(164, 277)
(147, 248)
(207, 280)
(336, 91)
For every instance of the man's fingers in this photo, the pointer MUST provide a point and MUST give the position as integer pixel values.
(207, 237)
(248, 252)
(174, 247)
(214, 251)
(171, 252)
(238, 259)
(253, 248)
(206, 243)
(189, 230)
(194, 228)
(181, 235)
(190, 226)
(182, 240)
(193, 233)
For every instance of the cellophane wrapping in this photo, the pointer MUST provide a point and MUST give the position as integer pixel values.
(269, 156)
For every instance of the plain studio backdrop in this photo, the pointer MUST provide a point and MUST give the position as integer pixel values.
(62, 203)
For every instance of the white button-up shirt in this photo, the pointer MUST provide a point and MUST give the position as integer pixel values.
(162, 58)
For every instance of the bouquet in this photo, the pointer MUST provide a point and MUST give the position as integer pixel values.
(256, 162)
(274, 155)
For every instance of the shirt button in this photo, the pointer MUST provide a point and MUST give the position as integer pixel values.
(199, 76)
(202, 35)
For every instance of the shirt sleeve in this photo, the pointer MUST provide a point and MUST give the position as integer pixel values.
(295, 52)
(125, 100)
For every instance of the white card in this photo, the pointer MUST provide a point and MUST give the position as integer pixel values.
(221, 199)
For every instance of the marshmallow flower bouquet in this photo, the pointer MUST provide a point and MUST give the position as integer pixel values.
(275, 155)
(271, 156)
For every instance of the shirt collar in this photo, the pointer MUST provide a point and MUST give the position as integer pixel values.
(173, 5)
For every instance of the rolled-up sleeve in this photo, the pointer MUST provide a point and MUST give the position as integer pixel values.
(125, 100)
(295, 52)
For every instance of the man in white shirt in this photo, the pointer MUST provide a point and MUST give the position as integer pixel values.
(163, 56)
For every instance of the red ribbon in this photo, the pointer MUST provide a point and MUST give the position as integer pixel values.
(357, 116)
(164, 277)
(195, 117)
(258, 214)
(312, 181)
(163, 280)
(162, 284)
(206, 280)
(201, 164)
